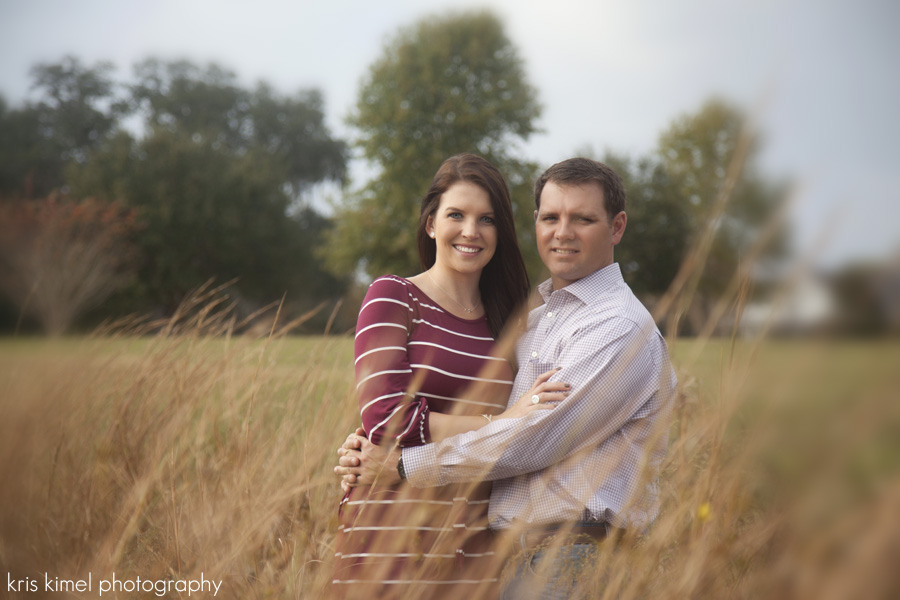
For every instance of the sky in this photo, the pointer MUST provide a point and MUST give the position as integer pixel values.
(819, 76)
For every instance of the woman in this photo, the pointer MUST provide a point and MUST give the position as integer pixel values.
(426, 369)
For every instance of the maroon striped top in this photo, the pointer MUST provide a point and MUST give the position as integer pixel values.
(414, 357)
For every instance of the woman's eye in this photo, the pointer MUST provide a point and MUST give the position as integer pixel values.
(454, 215)
(488, 220)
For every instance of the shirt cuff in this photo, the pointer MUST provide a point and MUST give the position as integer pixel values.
(421, 466)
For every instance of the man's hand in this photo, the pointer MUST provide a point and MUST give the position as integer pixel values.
(362, 462)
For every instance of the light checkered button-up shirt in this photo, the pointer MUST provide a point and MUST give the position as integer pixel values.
(589, 458)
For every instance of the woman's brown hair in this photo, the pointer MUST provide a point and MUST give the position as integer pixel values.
(504, 283)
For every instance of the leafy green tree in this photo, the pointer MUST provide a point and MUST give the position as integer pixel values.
(208, 105)
(79, 107)
(864, 310)
(658, 228)
(216, 173)
(218, 178)
(674, 195)
(697, 151)
(29, 164)
(77, 110)
(209, 213)
(442, 86)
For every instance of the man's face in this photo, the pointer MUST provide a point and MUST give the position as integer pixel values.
(575, 236)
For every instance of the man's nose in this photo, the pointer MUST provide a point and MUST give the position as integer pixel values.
(563, 230)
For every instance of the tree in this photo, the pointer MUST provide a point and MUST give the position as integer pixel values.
(696, 152)
(208, 213)
(30, 165)
(442, 86)
(218, 179)
(77, 110)
(207, 105)
(218, 174)
(60, 257)
(79, 107)
(658, 228)
(710, 158)
(866, 296)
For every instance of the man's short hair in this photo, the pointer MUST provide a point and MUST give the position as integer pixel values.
(578, 171)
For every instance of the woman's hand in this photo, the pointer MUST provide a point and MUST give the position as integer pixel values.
(362, 462)
(545, 391)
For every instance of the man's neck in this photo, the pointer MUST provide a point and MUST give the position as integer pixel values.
(558, 284)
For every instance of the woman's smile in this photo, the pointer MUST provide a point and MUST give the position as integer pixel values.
(463, 229)
(466, 249)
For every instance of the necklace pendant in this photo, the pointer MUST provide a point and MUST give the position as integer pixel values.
(469, 311)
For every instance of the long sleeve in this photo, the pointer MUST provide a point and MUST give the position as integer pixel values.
(596, 455)
(383, 373)
(615, 370)
(415, 359)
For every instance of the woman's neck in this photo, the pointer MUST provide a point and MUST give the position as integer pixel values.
(454, 290)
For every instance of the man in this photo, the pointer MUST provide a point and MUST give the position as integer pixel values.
(579, 472)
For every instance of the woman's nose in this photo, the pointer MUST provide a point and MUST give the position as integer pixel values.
(470, 229)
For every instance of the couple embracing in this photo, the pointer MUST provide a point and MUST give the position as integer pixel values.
(475, 455)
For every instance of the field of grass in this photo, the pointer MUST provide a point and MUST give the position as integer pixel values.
(171, 456)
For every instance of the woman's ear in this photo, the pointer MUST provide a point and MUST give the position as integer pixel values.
(429, 226)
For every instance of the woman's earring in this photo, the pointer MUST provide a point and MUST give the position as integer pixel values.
(431, 235)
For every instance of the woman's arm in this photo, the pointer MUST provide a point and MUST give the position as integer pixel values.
(354, 471)
(444, 426)
(383, 372)
(384, 377)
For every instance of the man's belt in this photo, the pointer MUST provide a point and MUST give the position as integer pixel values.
(566, 534)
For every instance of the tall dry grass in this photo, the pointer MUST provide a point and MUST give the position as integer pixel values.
(187, 453)
(169, 457)
(196, 451)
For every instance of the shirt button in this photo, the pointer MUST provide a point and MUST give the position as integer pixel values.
(534, 355)
(549, 315)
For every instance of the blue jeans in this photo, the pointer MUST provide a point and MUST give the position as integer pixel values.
(550, 573)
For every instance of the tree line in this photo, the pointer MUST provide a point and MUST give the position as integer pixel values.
(191, 175)
(213, 175)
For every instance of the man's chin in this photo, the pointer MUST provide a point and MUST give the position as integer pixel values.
(569, 275)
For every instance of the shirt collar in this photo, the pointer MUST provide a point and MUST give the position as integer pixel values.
(587, 288)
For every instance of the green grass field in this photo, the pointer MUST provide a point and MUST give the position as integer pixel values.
(165, 457)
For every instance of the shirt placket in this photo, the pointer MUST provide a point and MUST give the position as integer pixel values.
(545, 327)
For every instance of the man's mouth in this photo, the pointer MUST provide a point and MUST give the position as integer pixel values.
(563, 251)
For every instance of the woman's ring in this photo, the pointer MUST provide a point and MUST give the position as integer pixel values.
(535, 399)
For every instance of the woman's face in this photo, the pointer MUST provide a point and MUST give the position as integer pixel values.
(464, 229)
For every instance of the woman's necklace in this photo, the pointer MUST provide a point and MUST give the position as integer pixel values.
(446, 293)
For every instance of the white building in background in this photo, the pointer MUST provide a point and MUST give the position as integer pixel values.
(804, 305)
